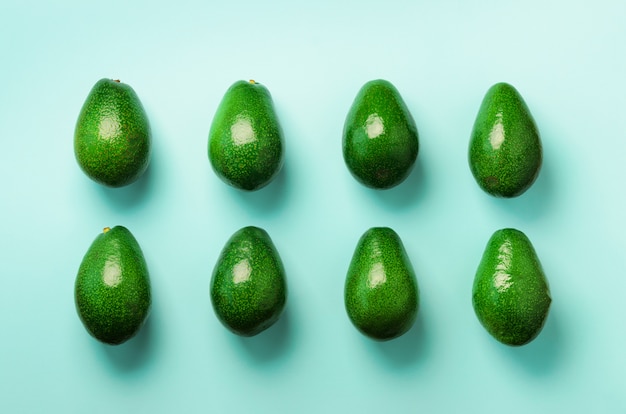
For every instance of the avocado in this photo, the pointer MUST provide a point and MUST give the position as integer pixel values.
(380, 140)
(246, 140)
(112, 289)
(381, 294)
(248, 287)
(510, 295)
(505, 152)
(112, 139)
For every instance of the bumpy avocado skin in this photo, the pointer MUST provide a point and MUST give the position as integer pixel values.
(511, 296)
(248, 286)
(112, 289)
(112, 138)
(246, 140)
(505, 152)
(380, 139)
(381, 293)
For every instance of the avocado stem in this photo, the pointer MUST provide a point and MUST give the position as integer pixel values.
(252, 81)
(106, 229)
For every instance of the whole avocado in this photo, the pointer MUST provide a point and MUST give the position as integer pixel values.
(505, 152)
(112, 288)
(510, 295)
(246, 140)
(248, 286)
(112, 138)
(381, 293)
(380, 140)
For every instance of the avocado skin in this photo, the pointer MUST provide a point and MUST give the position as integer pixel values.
(381, 293)
(248, 287)
(380, 139)
(510, 295)
(112, 289)
(112, 139)
(505, 152)
(246, 140)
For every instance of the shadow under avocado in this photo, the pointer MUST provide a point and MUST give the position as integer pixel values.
(407, 192)
(541, 356)
(535, 201)
(404, 351)
(129, 196)
(268, 199)
(269, 345)
(132, 354)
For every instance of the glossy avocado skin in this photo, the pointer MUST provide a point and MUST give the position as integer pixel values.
(112, 289)
(248, 286)
(505, 152)
(381, 293)
(510, 295)
(246, 140)
(112, 138)
(380, 140)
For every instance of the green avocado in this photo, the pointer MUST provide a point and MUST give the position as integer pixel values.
(381, 294)
(248, 287)
(510, 295)
(112, 139)
(505, 152)
(246, 140)
(380, 140)
(112, 289)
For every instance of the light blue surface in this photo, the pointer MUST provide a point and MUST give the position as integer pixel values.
(566, 60)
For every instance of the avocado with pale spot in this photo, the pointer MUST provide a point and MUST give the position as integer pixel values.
(381, 293)
(505, 151)
(248, 287)
(246, 139)
(112, 138)
(380, 140)
(510, 295)
(112, 288)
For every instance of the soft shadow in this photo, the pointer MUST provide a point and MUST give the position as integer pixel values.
(271, 344)
(541, 356)
(536, 201)
(406, 193)
(132, 195)
(268, 199)
(405, 351)
(132, 354)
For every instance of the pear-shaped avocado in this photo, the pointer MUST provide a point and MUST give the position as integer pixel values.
(511, 297)
(248, 287)
(112, 290)
(505, 152)
(380, 141)
(112, 139)
(381, 293)
(246, 139)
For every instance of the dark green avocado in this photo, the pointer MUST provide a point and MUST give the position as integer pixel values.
(248, 287)
(381, 293)
(505, 152)
(112, 289)
(380, 140)
(511, 296)
(112, 139)
(246, 140)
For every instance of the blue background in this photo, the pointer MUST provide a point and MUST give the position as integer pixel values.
(566, 60)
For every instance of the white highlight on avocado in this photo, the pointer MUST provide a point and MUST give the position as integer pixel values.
(109, 127)
(501, 278)
(242, 131)
(374, 126)
(496, 136)
(242, 271)
(112, 275)
(376, 276)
